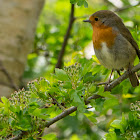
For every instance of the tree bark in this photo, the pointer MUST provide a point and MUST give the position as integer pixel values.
(18, 20)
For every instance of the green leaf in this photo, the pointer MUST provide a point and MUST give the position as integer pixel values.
(81, 108)
(3, 132)
(98, 104)
(61, 75)
(111, 135)
(36, 112)
(88, 77)
(17, 132)
(85, 4)
(118, 89)
(80, 86)
(44, 84)
(92, 88)
(53, 89)
(5, 101)
(87, 67)
(124, 122)
(117, 125)
(41, 113)
(6, 105)
(44, 114)
(31, 138)
(36, 85)
(51, 136)
(101, 91)
(75, 97)
(73, 1)
(109, 103)
(77, 101)
(1, 104)
(80, 2)
(15, 109)
(32, 106)
(105, 94)
(67, 85)
(24, 124)
(91, 117)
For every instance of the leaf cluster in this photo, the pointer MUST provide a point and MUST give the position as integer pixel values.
(29, 110)
(127, 127)
(79, 2)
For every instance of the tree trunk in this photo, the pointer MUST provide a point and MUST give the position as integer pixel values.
(18, 20)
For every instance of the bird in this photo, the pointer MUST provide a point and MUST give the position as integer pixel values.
(113, 43)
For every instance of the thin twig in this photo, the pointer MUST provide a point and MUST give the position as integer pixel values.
(55, 101)
(12, 84)
(61, 54)
(126, 7)
(102, 83)
(116, 10)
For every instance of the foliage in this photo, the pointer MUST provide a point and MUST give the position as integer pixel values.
(29, 110)
(80, 2)
(126, 128)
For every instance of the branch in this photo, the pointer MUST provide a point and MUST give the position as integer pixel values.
(55, 101)
(70, 110)
(12, 84)
(121, 78)
(116, 10)
(61, 54)
(126, 7)
(102, 83)
(61, 116)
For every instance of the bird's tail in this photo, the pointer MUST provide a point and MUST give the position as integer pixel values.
(134, 79)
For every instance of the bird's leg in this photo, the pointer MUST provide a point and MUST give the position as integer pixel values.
(118, 72)
(129, 68)
(110, 76)
(108, 82)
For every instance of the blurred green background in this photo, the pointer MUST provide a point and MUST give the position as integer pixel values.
(52, 27)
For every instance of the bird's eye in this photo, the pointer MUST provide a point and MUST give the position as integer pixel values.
(96, 19)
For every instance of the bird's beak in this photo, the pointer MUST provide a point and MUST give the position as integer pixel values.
(87, 21)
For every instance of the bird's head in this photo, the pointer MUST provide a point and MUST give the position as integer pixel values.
(103, 18)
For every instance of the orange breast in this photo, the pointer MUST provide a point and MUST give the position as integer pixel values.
(103, 34)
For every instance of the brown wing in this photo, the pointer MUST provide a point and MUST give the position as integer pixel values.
(126, 33)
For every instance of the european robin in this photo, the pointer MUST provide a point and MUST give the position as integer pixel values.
(113, 43)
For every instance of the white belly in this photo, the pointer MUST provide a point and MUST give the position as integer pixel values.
(110, 59)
